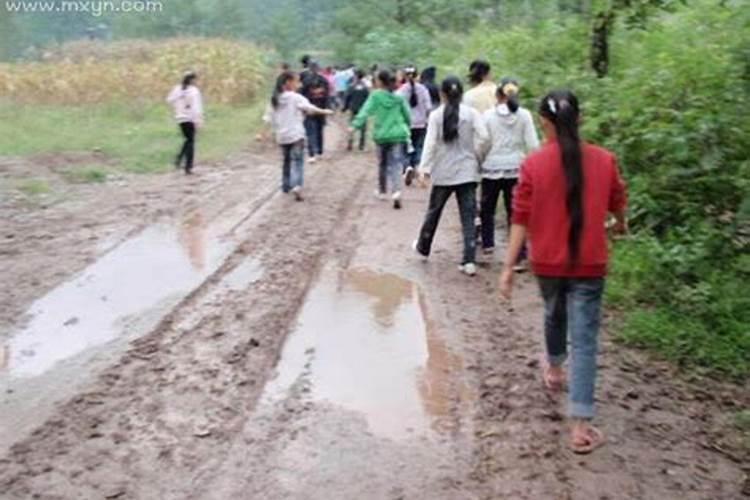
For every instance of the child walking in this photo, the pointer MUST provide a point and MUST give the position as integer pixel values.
(187, 104)
(420, 104)
(565, 191)
(391, 133)
(455, 142)
(287, 116)
(512, 135)
(356, 96)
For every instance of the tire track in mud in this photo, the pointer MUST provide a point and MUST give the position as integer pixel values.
(176, 397)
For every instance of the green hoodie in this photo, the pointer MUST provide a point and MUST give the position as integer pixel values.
(392, 117)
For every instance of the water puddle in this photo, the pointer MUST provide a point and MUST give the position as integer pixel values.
(365, 342)
(123, 293)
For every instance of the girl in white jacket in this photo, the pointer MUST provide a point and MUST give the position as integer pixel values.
(512, 134)
(287, 117)
(187, 104)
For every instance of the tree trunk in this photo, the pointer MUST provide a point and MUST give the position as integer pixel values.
(600, 32)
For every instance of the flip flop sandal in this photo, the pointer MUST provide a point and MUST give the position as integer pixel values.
(595, 440)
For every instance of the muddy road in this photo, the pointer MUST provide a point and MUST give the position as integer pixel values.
(210, 338)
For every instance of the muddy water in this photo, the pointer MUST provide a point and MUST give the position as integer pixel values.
(89, 319)
(364, 343)
(368, 399)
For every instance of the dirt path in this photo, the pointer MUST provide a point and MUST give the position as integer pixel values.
(303, 352)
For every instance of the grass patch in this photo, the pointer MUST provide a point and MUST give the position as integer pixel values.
(742, 420)
(34, 187)
(675, 303)
(85, 175)
(140, 136)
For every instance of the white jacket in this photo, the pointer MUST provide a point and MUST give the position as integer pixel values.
(512, 135)
(450, 164)
(288, 119)
(187, 104)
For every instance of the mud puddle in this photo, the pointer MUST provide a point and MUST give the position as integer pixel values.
(365, 342)
(86, 321)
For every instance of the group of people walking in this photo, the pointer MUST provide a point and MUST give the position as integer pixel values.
(557, 195)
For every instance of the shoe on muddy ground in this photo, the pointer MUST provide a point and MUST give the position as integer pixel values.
(488, 250)
(380, 196)
(521, 266)
(469, 269)
(297, 192)
(397, 200)
(409, 176)
(312, 159)
(415, 247)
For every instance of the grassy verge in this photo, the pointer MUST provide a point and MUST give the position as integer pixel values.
(139, 137)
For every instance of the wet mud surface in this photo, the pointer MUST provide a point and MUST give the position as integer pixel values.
(208, 338)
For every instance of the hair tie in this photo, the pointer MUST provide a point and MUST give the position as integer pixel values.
(552, 106)
(454, 86)
(564, 104)
(510, 89)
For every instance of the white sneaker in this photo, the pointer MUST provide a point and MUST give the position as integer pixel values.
(469, 269)
(379, 195)
(521, 267)
(312, 159)
(396, 200)
(414, 246)
(297, 192)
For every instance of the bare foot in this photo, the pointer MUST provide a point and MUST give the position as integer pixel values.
(554, 377)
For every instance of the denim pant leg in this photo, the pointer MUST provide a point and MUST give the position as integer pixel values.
(554, 293)
(310, 133)
(321, 122)
(363, 136)
(297, 160)
(488, 209)
(438, 197)
(584, 306)
(395, 162)
(466, 195)
(286, 150)
(383, 153)
(417, 141)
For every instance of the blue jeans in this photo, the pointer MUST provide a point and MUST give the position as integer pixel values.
(417, 143)
(467, 207)
(572, 311)
(314, 130)
(389, 166)
(293, 168)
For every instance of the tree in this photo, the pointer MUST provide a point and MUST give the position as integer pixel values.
(635, 14)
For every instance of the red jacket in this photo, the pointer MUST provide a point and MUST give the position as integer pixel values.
(539, 204)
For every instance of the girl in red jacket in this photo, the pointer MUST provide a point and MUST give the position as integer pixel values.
(565, 192)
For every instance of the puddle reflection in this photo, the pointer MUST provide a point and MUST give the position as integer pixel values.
(124, 291)
(367, 343)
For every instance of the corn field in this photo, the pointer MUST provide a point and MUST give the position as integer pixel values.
(95, 72)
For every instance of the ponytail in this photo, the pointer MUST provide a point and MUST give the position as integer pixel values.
(411, 73)
(478, 71)
(279, 88)
(508, 89)
(453, 92)
(561, 108)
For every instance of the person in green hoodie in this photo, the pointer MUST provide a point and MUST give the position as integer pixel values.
(391, 133)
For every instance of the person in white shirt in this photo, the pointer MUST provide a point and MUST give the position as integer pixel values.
(286, 115)
(456, 141)
(512, 135)
(187, 104)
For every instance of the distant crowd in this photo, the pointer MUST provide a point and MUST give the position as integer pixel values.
(558, 195)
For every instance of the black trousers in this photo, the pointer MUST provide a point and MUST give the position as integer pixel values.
(467, 205)
(491, 190)
(188, 147)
